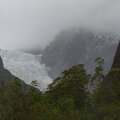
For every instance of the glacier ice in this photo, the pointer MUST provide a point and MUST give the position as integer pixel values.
(26, 67)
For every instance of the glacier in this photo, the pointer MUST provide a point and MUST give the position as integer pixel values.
(26, 67)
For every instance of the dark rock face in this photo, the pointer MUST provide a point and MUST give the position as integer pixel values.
(74, 47)
(5, 74)
(116, 62)
(1, 63)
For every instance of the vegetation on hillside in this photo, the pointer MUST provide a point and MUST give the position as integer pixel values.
(75, 95)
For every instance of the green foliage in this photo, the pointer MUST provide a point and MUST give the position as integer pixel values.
(99, 69)
(106, 98)
(98, 76)
(67, 98)
(72, 84)
(34, 83)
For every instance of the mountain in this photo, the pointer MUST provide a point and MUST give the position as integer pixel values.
(79, 46)
(26, 67)
(116, 62)
(5, 74)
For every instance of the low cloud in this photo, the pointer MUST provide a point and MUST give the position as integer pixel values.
(34, 23)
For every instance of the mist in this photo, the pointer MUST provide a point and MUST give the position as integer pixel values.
(27, 24)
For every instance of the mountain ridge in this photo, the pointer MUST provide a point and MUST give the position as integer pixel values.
(5, 75)
(74, 47)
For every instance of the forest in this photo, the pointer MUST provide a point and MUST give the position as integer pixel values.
(75, 95)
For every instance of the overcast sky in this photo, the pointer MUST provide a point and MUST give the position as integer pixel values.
(33, 23)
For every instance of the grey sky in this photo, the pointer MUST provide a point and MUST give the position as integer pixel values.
(34, 23)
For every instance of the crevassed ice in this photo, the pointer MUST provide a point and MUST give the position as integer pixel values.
(26, 67)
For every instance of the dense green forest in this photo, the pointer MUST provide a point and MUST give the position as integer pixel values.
(76, 95)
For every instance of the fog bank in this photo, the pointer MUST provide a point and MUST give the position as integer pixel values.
(34, 23)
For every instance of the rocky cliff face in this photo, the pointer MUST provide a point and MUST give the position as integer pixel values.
(79, 47)
(116, 62)
(5, 74)
(1, 63)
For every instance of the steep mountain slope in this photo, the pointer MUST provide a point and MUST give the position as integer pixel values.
(79, 46)
(5, 74)
(116, 62)
(26, 67)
